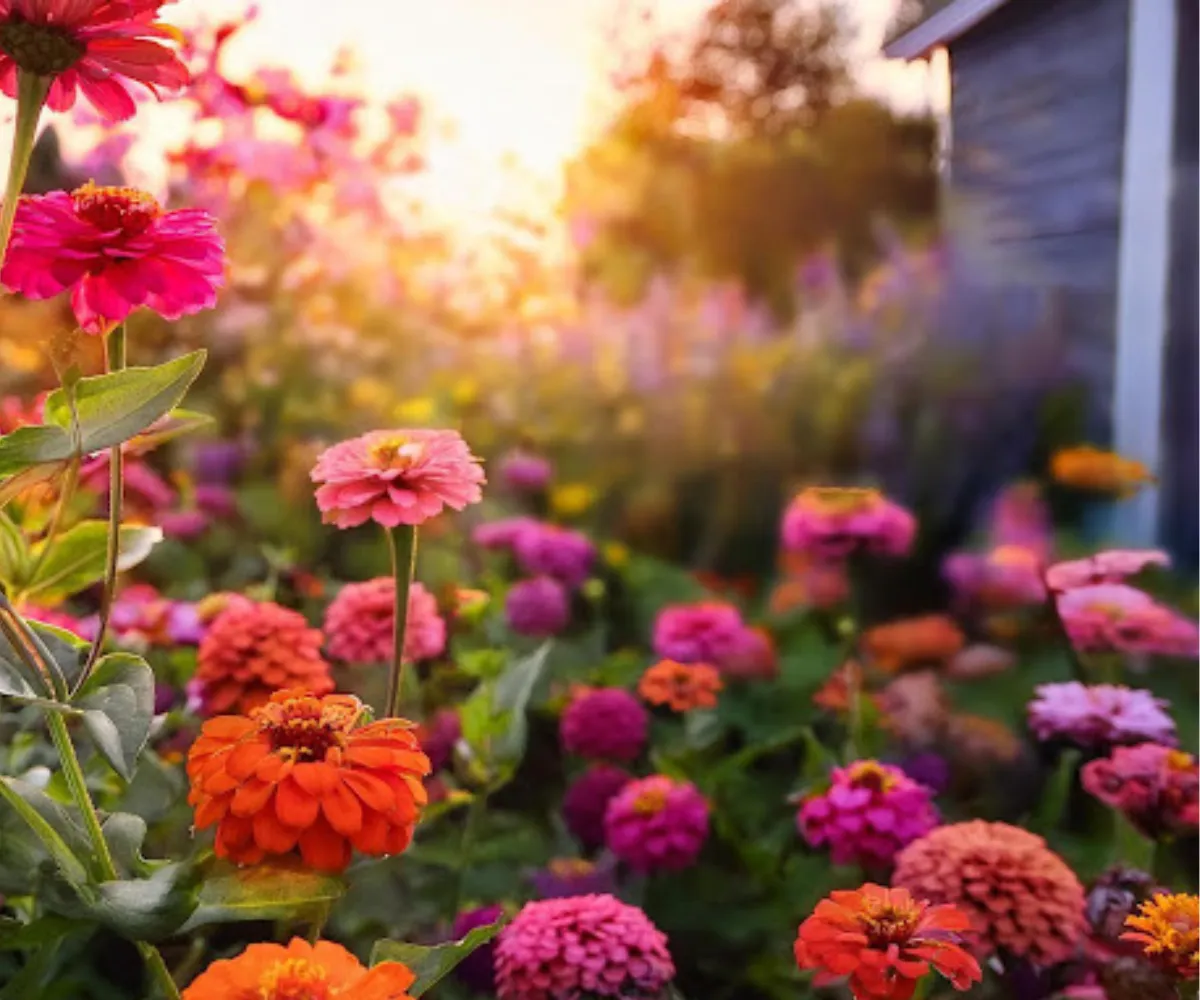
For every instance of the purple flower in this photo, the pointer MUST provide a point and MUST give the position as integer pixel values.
(928, 769)
(439, 735)
(164, 697)
(1099, 715)
(657, 824)
(605, 724)
(564, 877)
(216, 500)
(548, 550)
(218, 461)
(539, 607)
(501, 535)
(477, 971)
(524, 472)
(587, 800)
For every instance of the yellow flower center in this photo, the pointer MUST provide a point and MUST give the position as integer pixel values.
(873, 775)
(41, 49)
(1180, 760)
(885, 923)
(294, 979)
(840, 499)
(1013, 555)
(570, 867)
(304, 728)
(113, 209)
(651, 801)
(395, 452)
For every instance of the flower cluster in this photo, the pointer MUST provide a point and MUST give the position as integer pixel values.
(538, 607)
(714, 633)
(586, 802)
(1099, 715)
(560, 553)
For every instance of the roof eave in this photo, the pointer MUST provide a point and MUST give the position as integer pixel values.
(953, 20)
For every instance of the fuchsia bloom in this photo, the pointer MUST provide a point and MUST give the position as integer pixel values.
(97, 46)
(524, 472)
(396, 477)
(1006, 577)
(586, 802)
(115, 250)
(502, 535)
(438, 736)
(833, 522)
(1099, 715)
(561, 553)
(605, 724)
(539, 607)
(1113, 617)
(707, 632)
(360, 620)
(596, 946)
(1155, 786)
(657, 824)
(1113, 566)
(868, 814)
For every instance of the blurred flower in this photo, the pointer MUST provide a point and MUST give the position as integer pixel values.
(604, 724)
(539, 607)
(548, 550)
(218, 462)
(980, 660)
(1099, 715)
(928, 769)
(927, 640)
(1023, 899)
(185, 525)
(252, 650)
(834, 522)
(1114, 896)
(359, 623)
(586, 802)
(682, 687)
(1097, 471)
(656, 824)
(563, 877)
(1168, 929)
(980, 742)
(115, 250)
(503, 534)
(396, 477)
(1112, 617)
(147, 495)
(216, 500)
(438, 736)
(915, 707)
(210, 607)
(1021, 520)
(58, 618)
(16, 412)
(885, 942)
(287, 972)
(524, 472)
(1155, 787)
(844, 683)
(868, 813)
(300, 773)
(99, 47)
(809, 582)
(753, 656)
(616, 554)
(477, 971)
(1112, 566)
(707, 632)
(572, 499)
(1006, 577)
(596, 946)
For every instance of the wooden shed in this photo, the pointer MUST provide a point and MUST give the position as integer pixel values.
(1071, 152)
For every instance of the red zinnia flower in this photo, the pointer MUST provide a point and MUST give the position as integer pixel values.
(114, 250)
(97, 46)
(884, 941)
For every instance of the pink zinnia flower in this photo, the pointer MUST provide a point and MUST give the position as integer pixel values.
(833, 522)
(1104, 567)
(115, 250)
(561, 553)
(396, 477)
(1156, 787)
(97, 46)
(1099, 715)
(524, 472)
(657, 824)
(360, 620)
(753, 657)
(586, 802)
(605, 724)
(1006, 577)
(1113, 617)
(1020, 519)
(707, 632)
(596, 946)
(539, 607)
(868, 814)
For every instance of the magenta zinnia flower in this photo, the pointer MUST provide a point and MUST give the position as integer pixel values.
(396, 477)
(833, 522)
(657, 824)
(97, 46)
(586, 802)
(868, 814)
(115, 250)
(605, 724)
(1099, 715)
(524, 472)
(1113, 617)
(502, 535)
(561, 553)
(708, 632)
(1156, 787)
(1113, 566)
(360, 620)
(539, 607)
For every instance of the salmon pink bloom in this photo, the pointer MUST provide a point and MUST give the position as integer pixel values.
(1104, 567)
(95, 46)
(885, 942)
(115, 250)
(360, 620)
(1113, 617)
(302, 774)
(396, 477)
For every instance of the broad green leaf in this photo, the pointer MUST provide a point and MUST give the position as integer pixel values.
(432, 963)
(15, 936)
(20, 679)
(125, 834)
(118, 707)
(76, 559)
(114, 408)
(57, 826)
(141, 909)
(14, 551)
(175, 424)
(510, 698)
(27, 447)
(277, 891)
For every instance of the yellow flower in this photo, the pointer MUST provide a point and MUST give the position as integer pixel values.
(1168, 929)
(419, 410)
(464, 392)
(572, 499)
(616, 554)
(1089, 468)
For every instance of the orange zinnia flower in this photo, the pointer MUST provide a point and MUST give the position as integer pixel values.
(1168, 929)
(301, 773)
(1089, 468)
(321, 971)
(680, 686)
(884, 941)
(912, 641)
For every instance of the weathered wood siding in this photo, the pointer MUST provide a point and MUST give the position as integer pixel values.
(1037, 126)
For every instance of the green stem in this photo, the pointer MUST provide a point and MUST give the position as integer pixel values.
(402, 543)
(31, 96)
(158, 970)
(466, 846)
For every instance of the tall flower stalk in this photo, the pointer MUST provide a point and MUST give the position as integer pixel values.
(402, 544)
(31, 98)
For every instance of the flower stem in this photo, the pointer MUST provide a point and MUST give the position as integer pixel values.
(31, 96)
(466, 846)
(158, 970)
(402, 543)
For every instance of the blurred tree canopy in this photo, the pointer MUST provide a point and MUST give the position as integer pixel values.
(742, 150)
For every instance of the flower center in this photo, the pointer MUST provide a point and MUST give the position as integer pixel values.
(873, 775)
(841, 499)
(294, 979)
(570, 867)
(395, 452)
(305, 728)
(650, 801)
(113, 209)
(1013, 555)
(886, 923)
(1180, 760)
(41, 49)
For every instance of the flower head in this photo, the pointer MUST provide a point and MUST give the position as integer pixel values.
(560, 949)
(525, 472)
(1006, 577)
(586, 802)
(1097, 471)
(1156, 787)
(657, 824)
(300, 971)
(884, 941)
(833, 522)
(560, 553)
(1099, 715)
(1113, 617)
(680, 686)
(1112, 566)
(1168, 929)
(477, 971)
(502, 535)
(99, 47)
(707, 632)
(252, 650)
(868, 813)
(115, 250)
(396, 477)
(538, 607)
(302, 773)
(753, 656)
(360, 620)
(909, 642)
(438, 736)
(604, 724)
(1020, 895)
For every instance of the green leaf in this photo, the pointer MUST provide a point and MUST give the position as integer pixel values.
(14, 551)
(76, 558)
(141, 909)
(118, 707)
(175, 424)
(60, 832)
(275, 891)
(510, 697)
(125, 834)
(114, 408)
(65, 650)
(431, 964)
(29, 447)
(1057, 793)
(701, 728)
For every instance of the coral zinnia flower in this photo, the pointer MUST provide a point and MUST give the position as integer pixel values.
(1168, 929)
(301, 773)
(925, 639)
(680, 686)
(885, 941)
(115, 250)
(396, 477)
(321, 971)
(96, 46)
(1089, 468)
